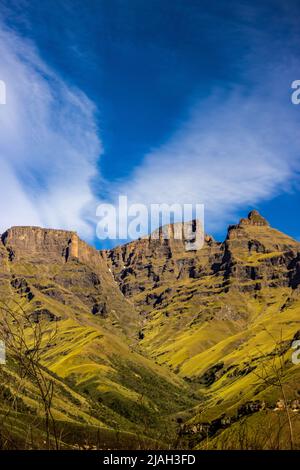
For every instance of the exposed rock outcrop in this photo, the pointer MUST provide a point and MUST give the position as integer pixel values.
(253, 256)
(63, 268)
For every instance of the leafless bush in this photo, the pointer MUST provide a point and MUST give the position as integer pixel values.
(26, 339)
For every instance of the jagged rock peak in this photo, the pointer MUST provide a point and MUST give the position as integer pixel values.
(254, 218)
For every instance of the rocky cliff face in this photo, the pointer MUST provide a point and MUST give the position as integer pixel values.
(57, 263)
(252, 256)
(257, 253)
(150, 262)
(49, 245)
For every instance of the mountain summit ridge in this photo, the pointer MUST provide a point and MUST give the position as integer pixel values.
(154, 260)
(172, 230)
(254, 218)
(152, 263)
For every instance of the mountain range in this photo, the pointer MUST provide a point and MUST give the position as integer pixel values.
(153, 345)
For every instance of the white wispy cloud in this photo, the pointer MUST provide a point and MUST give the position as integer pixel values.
(48, 143)
(240, 145)
(237, 148)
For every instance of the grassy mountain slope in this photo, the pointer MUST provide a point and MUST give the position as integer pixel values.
(94, 350)
(218, 317)
(188, 348)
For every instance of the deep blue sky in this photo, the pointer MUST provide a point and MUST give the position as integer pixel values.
(146, 64)
(142, 62)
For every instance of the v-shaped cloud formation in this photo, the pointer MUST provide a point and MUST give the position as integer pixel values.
(238, 147)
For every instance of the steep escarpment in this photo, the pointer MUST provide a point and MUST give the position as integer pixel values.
(158, 329)
(40, 244)
(252, 256)
(47, 246)
(191, 301)
(151, 262)
(59, 265)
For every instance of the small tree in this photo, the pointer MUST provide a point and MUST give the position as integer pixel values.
(26, 338)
